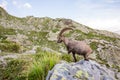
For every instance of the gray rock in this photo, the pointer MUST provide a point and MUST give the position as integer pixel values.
(118, 75)
(82, 70)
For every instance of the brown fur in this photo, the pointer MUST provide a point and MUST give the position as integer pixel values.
(74, 46)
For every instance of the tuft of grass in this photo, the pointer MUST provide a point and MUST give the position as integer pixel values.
(94, 45)
(42, 63)
(69, 57)
(55, 30)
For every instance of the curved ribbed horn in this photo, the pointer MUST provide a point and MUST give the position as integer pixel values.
(63, 30)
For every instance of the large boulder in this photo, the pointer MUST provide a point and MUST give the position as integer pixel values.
(82, 70)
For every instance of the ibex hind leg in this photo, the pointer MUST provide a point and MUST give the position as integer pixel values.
(86, 57)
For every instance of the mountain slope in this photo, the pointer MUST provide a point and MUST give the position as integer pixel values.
(32, 34)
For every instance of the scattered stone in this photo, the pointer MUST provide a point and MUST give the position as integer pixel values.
(118, 75)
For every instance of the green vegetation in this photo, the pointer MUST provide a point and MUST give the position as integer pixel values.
(69, 57)
(6, 31)
(37, 37)
(40, 38)
(102, 61)
(92, 35)
(36, 66)
(13, 70)
(5, 45)
(9, 46)
(31, 67)
(69, 33)
(45, 22)
(94, 45)
(42, 63)
(116, 67)
(55, 30)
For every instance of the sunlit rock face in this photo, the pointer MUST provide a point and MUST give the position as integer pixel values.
(82, 70)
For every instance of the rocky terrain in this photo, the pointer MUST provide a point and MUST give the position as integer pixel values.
(82, 70)
(29, 35)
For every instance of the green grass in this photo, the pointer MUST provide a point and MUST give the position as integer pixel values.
(33, 67)
(41, 37)
(42, 40)
(2, 37)
(8, 46)
(42, 63)
(69, 57)
(45, 61)
(93, 35)
(45, 22)
(13, 70)
(6, 31)
(55, 30)
(94, 45)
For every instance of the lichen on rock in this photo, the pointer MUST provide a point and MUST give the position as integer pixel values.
(82, 70)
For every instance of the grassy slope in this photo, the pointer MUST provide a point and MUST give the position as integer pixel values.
(38, 65)
(30, 67)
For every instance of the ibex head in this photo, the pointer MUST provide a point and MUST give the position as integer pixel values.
(61, 36)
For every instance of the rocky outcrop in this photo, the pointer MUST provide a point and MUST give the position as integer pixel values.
(82, 70)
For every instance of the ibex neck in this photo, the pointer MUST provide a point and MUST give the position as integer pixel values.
(65, 41)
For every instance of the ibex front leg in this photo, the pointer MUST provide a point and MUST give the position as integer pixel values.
(74, 57)
(69, 50)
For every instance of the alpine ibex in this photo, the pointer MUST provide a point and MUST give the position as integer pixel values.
(74, 46)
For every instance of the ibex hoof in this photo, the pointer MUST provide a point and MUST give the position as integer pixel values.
(86, 59)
